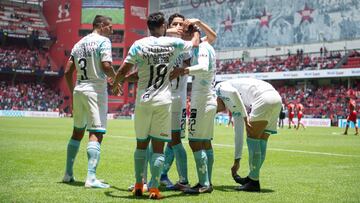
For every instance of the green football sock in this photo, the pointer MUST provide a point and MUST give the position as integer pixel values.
(201, 167)
(254, 158)
(169, 158)
(210, 157)
(93, 153)
(72, 150)
(181, 162)
(140, 163)
(263, 147)
(156, 164)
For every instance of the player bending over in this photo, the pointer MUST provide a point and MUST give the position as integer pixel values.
(237, 95)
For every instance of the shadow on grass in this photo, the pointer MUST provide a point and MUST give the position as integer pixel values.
(75, 184)
(144, 197)
(231, 188)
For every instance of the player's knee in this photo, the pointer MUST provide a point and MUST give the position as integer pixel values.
(96, 137)
(196, 145)
(175, 138)
(142, 144)
(158, 146)
(207, 145)
(265, 136)
(78, 134)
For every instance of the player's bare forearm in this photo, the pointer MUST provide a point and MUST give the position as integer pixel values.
(120, 77)
(69, 70)
(122, 72)
(210, 33)
(132, 77)
(108, 69)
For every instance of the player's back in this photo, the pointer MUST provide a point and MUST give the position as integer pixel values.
(250, 88)
(179, 84)
(155, 57)
(88, 54)
(352, 105)
(203, 82)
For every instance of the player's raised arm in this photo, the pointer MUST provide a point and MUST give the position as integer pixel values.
(210, 33)
(69, 70)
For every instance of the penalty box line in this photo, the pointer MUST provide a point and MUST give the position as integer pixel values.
(271, 149)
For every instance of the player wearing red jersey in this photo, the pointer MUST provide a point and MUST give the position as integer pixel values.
(352, 116)
(291, 112)
(299, 109)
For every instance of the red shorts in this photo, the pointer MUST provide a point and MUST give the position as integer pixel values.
(352, 117)
(291, 115)
(300, 114)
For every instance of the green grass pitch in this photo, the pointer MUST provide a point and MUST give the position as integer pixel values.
(88, 14)
(315, 165)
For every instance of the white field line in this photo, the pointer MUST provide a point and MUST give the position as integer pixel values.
(271, 149)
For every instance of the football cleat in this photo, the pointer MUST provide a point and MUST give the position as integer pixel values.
(95, 183)
(155, 194)
(198, 189)
(165, 181)
(138, 189)
(251, 186)
(179, 186)
(145, 188)
(68, 179)
(241, 180)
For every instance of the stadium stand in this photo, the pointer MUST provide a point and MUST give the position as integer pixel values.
(24, 58)
(17, 19)
(127, 109)
(298, 62)
(29, 96)
(321, 101)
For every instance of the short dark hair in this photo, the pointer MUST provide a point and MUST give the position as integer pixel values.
(100, 19)
(175, 15)
(155, 20)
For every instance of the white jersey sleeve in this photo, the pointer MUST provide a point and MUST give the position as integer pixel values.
(231, 98)
(105, 51)
(203, 62)
(186, 46)
(132, 54)
(239, 136)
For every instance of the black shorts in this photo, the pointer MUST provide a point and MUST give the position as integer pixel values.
(282, 115)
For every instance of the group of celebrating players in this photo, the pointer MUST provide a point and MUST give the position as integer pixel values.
(164, 60)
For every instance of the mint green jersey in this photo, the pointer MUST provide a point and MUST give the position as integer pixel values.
(155, 58)
(88, 54)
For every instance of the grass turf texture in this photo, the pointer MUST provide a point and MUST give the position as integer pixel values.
(315, 165)
(88, 14)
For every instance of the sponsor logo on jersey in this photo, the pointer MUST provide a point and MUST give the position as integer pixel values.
(164, 135)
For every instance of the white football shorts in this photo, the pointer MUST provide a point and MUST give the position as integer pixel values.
(178, 115)
(267, 107)
(153, 122)
(90, 110)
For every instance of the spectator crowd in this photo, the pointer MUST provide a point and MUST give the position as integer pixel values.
(24, 58)
(321, 102)
(297, 62)
(29, 97)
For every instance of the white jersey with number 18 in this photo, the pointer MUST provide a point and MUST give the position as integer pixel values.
(155, 57)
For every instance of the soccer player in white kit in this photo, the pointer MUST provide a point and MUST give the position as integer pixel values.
(175, 148)
(265, 102)
(202, 115)
(91, 57)
(155, 57)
